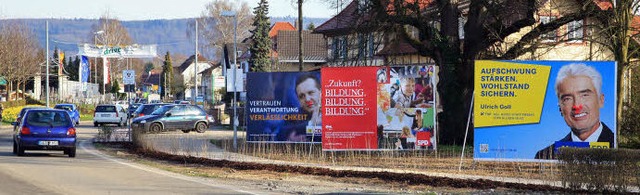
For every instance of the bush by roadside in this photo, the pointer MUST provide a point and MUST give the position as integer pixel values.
(598, 169)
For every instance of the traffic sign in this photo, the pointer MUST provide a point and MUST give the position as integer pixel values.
(129, 77)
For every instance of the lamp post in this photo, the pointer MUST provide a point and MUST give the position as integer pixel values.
(195, 71)
(95, 60)
(235, 118)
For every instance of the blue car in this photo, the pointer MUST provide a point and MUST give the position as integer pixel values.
(45, 129)
(72, 109)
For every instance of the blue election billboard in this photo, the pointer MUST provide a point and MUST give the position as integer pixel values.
(525, 110)
(284, 107)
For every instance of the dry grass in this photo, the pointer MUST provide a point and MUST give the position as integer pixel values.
(445, 161)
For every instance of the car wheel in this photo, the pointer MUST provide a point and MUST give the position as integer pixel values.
(185, 131)
(95, 124)
(71, 152)
(155, 128)
(201, 127)
(120, 124)
(20, 150)
(15, 147)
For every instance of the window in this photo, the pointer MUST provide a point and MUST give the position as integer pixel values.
(371, 45)
(575, 32)
(550, 36)
(461, 22)
(365, 45)
(339, 47)
(344, 47)
(335, 45)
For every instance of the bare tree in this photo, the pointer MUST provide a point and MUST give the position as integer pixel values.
(113, 34)
(20, 55)
(216, 30)
(454, 33)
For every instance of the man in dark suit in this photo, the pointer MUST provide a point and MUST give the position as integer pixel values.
(549, 152)
(579, 91)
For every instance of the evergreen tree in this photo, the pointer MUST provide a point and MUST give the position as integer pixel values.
(261, 47)
(115, 87)
(72, 68)
(148, 67)
(167, 73)
(311, 26)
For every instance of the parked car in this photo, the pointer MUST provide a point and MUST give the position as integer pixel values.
(110, 114)
(45, 129)
(147, 109)
(181, 102)
(22, 112)
(173, 117)
(72, 109)
(123, 103)
(132, 108)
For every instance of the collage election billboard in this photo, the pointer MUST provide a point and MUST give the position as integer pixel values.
(406, 103)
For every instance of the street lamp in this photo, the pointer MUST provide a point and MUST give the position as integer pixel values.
(95, 60)
(235, 51)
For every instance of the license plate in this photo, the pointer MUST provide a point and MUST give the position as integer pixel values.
(48, 143)
(105, 115)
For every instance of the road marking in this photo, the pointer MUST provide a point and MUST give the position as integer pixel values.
(165, 173)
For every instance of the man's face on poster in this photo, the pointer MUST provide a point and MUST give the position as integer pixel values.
(308, 95)
(580, 103)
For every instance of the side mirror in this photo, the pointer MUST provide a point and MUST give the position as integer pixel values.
(14, 123)
(168, 114)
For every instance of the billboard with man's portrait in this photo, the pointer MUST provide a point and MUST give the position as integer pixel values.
(283, 107)
(526, 110)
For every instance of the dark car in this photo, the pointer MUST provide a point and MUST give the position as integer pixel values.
(45, 129)
(146, 109)
(132, 108)
(72, 109)
(173, 117)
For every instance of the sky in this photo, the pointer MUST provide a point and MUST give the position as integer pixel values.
(146, 9)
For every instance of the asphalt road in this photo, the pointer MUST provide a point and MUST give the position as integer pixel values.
(91, 172)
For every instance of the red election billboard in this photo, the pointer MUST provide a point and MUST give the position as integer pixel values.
(349, 114)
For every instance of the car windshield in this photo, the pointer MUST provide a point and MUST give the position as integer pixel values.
(48, 118)
(106, 109)
(63, 107)
(162, 110)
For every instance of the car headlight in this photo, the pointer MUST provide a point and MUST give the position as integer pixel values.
(143, 121)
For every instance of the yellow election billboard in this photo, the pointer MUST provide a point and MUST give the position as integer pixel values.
(508, 93)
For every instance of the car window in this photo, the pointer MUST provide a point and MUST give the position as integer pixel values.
(179, 111)
(162, 110)
(47, 118)
(64, 107)
(193, 110)
(106, 109)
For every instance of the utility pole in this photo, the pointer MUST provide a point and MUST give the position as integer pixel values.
(300, 49)
(195, 75)
(47, 60)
